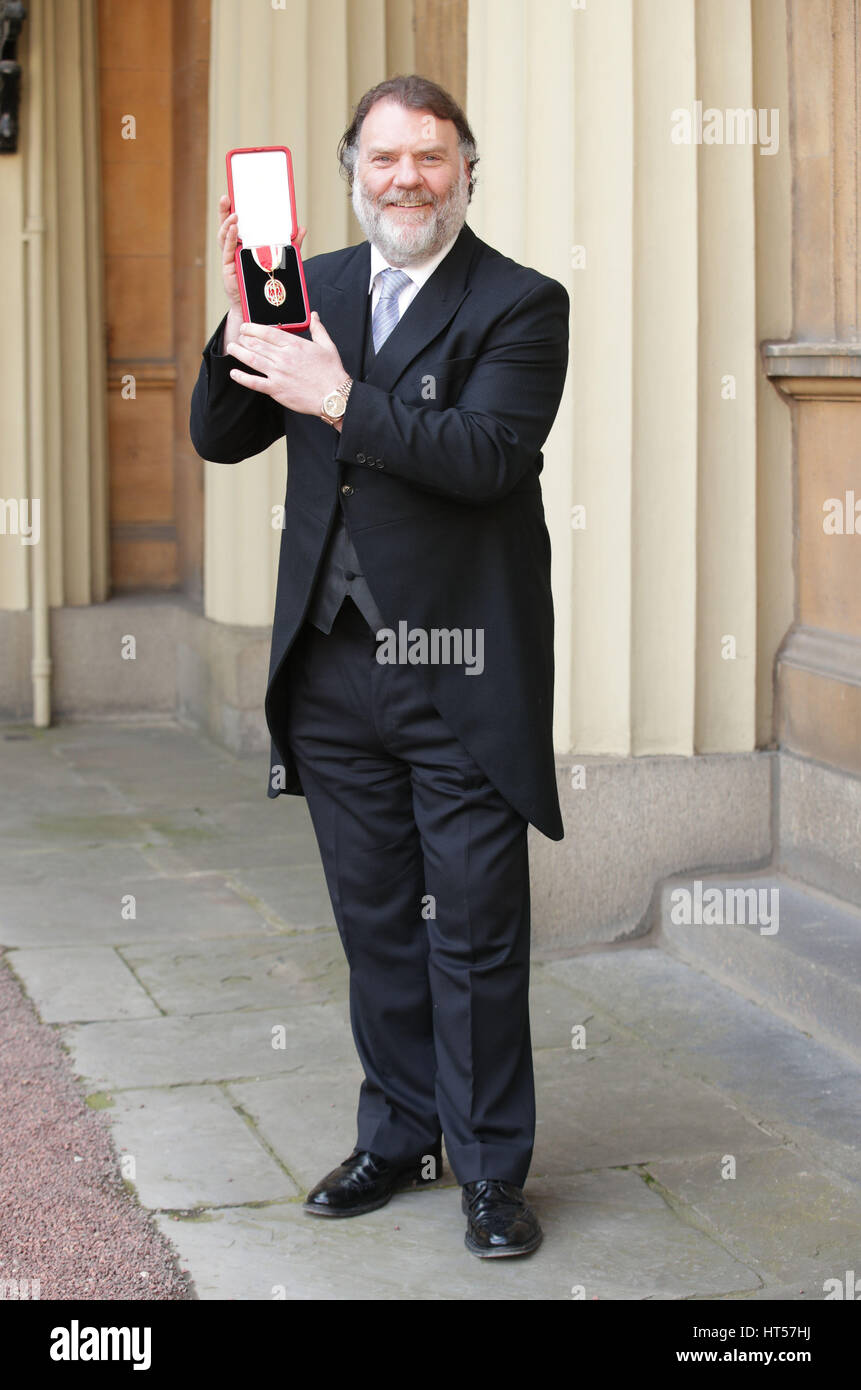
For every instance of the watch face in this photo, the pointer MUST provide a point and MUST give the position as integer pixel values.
(334, 404)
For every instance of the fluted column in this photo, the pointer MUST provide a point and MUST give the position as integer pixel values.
(728, 361)
(664, 372)
(52, 388)
(657, 584)
(520, 103)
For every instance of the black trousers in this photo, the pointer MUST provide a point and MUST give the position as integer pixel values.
(427, 868)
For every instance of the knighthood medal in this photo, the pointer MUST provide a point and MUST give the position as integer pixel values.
(269, 259)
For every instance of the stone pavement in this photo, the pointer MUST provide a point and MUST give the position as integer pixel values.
(173, 924)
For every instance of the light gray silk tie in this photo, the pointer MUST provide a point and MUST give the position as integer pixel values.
(386, 313)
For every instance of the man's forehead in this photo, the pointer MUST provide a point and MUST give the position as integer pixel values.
(388, 122)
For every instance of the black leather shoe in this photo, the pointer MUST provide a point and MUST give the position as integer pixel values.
(499, 1221)
(365, 1181)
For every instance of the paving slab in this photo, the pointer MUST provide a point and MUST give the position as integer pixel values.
(778, 1215)
(608, 1107)
(70, 831)
(125, 745)
(50, 870)
(186, 841)
(606, 1236)
(258, 815)
(24, 805)
(186, 858)
(806, 1289)
(307, 1116)
(555, 1012)
(160, 765)
(786, 1081)
(191, 1148)
(190, 908)
(299, 899)
(242, 973)
(213, 1047)
(77, 984)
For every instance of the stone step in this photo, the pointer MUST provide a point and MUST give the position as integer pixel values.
(784, 945)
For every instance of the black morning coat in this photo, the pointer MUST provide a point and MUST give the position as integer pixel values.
(441, 446)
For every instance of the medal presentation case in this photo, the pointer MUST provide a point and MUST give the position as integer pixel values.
(268, 264)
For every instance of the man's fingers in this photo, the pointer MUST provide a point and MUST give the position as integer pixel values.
(227, 220)
(255, 383)
(253, 357)
(268, 333)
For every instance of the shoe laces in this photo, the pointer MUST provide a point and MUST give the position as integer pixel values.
(488, 1188)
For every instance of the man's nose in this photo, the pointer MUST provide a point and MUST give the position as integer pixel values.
(406, 173)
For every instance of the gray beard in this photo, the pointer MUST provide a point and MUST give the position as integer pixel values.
(404, 246)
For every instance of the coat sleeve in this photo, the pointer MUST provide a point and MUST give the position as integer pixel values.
(477, 450)
(228, 422)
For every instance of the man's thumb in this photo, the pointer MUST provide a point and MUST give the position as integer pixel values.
(318, 332)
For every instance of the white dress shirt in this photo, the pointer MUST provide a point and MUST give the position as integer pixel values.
(418, 274)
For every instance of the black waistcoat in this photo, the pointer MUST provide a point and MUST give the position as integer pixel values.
(340, 573)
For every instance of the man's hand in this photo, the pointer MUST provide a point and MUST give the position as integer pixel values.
(298, 373)
(227, 239)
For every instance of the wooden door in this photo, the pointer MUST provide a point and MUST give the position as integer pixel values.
(153, 80)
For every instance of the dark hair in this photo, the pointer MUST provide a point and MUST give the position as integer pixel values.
(418, 94)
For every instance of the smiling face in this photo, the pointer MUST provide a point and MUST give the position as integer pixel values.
(411, 183)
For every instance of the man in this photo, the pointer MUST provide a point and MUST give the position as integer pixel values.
(411, 678)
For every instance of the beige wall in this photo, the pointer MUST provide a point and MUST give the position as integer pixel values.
(673, 477)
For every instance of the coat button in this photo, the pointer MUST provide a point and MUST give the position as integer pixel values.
(346, 489)
(348, 575)
(360, 458)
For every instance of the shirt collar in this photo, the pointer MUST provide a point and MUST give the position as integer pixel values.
(417, 273)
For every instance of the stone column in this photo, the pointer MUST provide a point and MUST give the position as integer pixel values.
(655, 447)
(53, 399)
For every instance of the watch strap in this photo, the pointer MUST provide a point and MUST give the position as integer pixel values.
(342, 390)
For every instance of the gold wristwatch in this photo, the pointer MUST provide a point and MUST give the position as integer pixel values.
(335, 403)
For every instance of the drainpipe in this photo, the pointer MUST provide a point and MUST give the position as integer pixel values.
(34, 238)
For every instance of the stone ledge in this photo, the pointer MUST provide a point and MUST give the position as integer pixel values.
(637, 821)
(810, 371)
(834, 655)
(211, 674)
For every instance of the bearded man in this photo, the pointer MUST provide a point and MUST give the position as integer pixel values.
(415, 410)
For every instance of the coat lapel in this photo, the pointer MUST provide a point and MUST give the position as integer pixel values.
(342, 308)
(344, 303)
